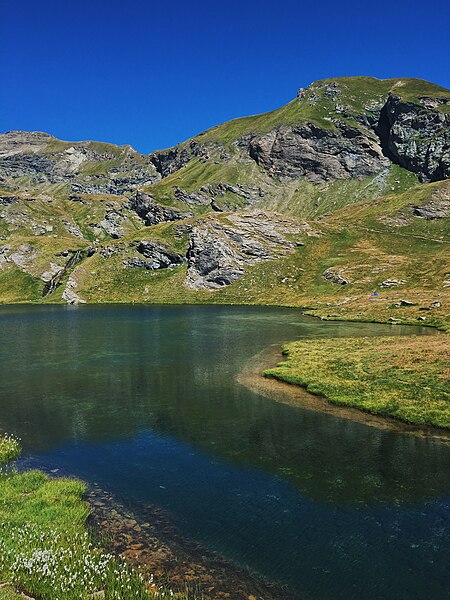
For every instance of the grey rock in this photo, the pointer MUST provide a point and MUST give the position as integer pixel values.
(24, 256)
(333, 276)
(416, 137)
(8, 200)
(169, 161)
(75, 257)
(220, 250)
(192, 197)
(317, 154)
(404, 303)
(112, 224)
(70, 294)
(107, 251)
(433, 210)
(157, 255)
(435, 304)
(388, 283)
(37, 155)
(4, 258)
(72, 228)
(76, 198)
(152, 213)
(437, 207)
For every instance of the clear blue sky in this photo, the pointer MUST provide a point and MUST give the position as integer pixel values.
(153, 73)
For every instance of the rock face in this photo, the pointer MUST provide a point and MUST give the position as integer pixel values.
(433, 210)
(437, 207)
(365, 131)
(56, 196)
(416, 137)
(157, 257)
(86, 167)
(219, 250)
(153, 213)
(70, 294)
(317, 154)
(169, 161)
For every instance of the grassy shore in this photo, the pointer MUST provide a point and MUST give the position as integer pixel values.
(407, 378)
(45, 548)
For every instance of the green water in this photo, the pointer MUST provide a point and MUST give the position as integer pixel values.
(143, 401)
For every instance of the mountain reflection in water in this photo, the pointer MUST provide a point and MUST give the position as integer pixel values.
(144, 400)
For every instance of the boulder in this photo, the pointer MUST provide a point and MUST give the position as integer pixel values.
(333, 276)
(153, 213)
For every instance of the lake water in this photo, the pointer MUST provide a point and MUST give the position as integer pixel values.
(144, 401)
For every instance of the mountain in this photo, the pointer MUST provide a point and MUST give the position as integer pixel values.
(341, 191)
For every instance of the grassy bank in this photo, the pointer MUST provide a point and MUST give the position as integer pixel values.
(45, 548)
(407, 378)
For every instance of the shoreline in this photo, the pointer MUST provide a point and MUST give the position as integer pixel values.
(306, 311)
(297, 396)
(146, 537)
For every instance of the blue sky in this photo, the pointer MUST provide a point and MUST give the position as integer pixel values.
(155, 73)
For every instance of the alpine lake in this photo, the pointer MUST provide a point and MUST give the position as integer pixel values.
(146, 403)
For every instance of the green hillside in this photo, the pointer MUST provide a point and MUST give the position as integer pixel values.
(316, 204)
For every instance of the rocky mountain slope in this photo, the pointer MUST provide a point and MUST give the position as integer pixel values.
(316, 203)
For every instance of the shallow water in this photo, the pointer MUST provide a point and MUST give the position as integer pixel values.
(144, 401)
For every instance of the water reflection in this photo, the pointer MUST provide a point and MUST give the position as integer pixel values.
(144, 400)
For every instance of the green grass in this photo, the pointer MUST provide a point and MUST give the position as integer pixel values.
(355, 94)
(9, 593)
(45, 548)
(407, 378)
(362, 241)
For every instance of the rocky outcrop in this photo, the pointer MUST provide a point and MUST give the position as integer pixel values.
(107, 251)
(437, 207)
(112, 224)
(194, 198)
(70, 294)
(157, 256)
(169, 161)
(433, 210)
(152, 213)
(334, 277)
(72, 228)
(220, 249)
(8, 200)
(87, 167)
(416, 136)
(221, 196)
(389, 283)
(317, 154)
(24, 256)
(59, 273)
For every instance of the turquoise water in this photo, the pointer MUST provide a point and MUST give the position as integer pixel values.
(143, 401)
